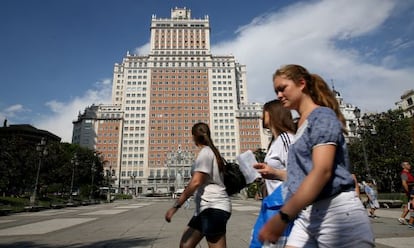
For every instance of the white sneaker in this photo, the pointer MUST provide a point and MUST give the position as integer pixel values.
(402, 221)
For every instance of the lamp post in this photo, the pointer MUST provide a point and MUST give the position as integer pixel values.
(133, 188)
(42, 150)
(357, 113)
(74, 162)
(93, 169)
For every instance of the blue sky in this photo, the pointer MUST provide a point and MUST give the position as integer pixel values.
(57, 56)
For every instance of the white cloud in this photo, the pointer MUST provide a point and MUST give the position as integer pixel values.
(143, 50)
(14, 108)
(12, 111)
(60, 120)
(306, 34)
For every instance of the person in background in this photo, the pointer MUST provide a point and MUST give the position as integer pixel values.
(278, 120)
(407, 182)
(212, 204)
(320, 190)
(372, 198)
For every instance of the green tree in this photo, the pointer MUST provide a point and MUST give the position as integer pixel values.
(19, 162)
(388, 142)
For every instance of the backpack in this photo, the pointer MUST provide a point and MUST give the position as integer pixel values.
(233, 178)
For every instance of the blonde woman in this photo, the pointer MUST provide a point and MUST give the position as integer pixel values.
(320, 189)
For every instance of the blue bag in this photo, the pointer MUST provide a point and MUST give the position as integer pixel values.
(270, 206)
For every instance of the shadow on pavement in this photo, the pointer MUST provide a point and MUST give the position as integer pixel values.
(118, 243)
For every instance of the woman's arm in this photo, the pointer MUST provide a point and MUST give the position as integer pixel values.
(197, 179)
(267, 172)
(312, 185)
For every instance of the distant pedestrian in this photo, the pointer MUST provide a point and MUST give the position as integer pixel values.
(212, 204)
(372, 198)
(320, 189)
(407, 182)
(187, 203)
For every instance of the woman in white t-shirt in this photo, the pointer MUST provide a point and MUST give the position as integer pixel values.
(212, 204)
(278, 120)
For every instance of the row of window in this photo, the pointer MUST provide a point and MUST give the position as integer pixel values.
(179, 71)
(134, 121)
(136, 83)
(223, 94)
(223, 88)
(221, 107)
(127, 141)
(132, 89)
(186, 100)
(134, 155)
(180, 64)
(137, 95)
(134, 115)
(137, 71)
(126, 128)
(135, 163)
(135, 102)
(135, 108)
(166, 88)
(145, 64)
(179, 121)
(137, 77)
(249, 133)
(178, 25)
(132, 173)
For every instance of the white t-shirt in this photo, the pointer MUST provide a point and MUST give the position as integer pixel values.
(213, 193)
(276, 157)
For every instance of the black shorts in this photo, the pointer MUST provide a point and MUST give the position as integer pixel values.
(210, 222)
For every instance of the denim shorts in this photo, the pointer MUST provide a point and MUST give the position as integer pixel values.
(210, 222)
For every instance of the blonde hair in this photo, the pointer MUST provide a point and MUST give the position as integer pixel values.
(316, 88)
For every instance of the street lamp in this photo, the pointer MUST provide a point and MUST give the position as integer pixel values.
(74, 162)
(133, 189)
(42, 150)
(357, 114)
(93, 169)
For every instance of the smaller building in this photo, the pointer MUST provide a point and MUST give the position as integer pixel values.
(252, 134)
(99, 128)
(406, 104)
(27, 132)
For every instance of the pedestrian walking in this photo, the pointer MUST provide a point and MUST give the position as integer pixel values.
(320, 190)
(407, 182)
(278, 120)
(212, 204)
(372, 198)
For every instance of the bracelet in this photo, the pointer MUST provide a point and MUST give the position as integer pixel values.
(176, 205)
(285, 217)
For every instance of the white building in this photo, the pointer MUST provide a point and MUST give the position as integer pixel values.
(406, 103)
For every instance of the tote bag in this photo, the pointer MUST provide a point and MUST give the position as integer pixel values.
(271, 205)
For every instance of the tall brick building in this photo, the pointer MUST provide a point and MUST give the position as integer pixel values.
(164, 93)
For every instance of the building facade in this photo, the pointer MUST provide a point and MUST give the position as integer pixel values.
(252, 135)
(406, 103)
(163, 94)
(99, 128)
(145, 136)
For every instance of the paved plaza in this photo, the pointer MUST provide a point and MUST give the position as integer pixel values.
(140, 223)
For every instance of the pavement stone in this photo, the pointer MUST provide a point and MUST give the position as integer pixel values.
(387, 230)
